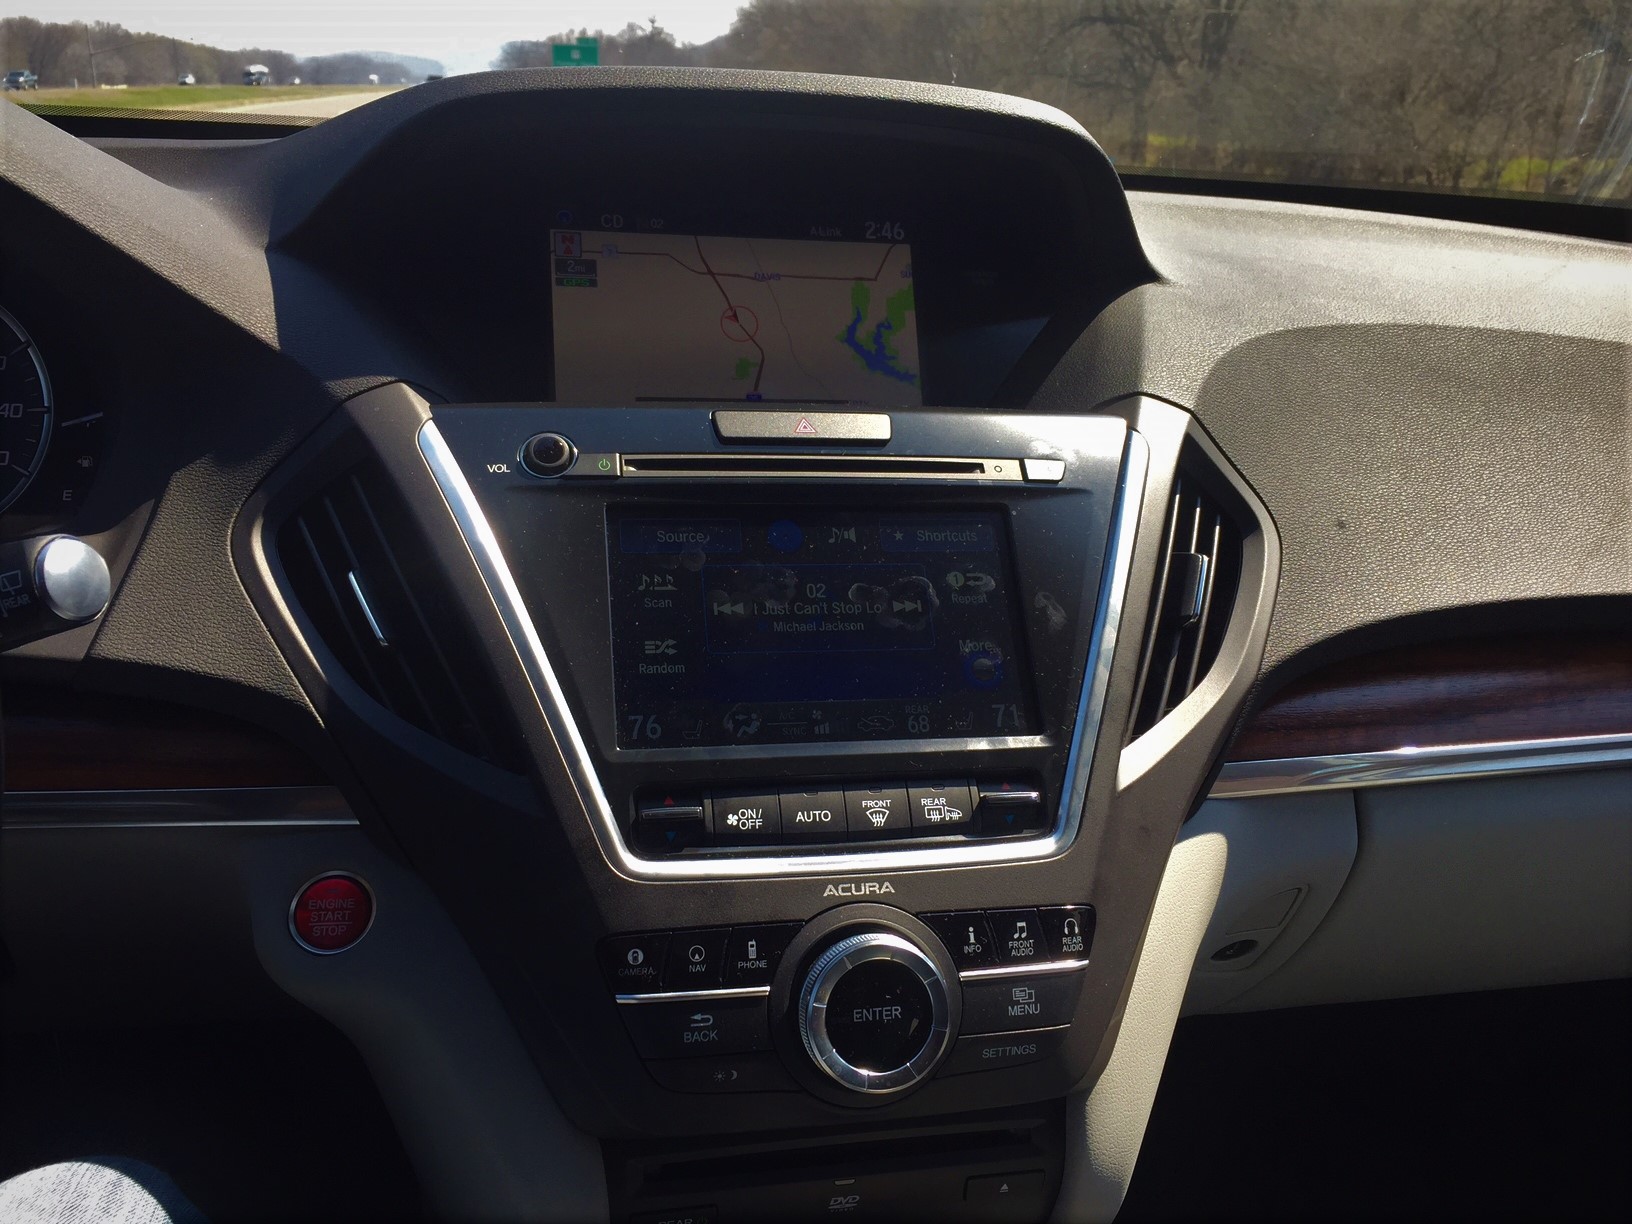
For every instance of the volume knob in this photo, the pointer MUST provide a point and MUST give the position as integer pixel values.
(873, 1013)
(547, 454)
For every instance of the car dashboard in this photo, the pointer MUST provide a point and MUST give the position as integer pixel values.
(754, 641)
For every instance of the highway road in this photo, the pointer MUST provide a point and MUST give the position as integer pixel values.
(314, 108)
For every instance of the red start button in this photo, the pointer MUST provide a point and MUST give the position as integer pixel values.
(331, 913)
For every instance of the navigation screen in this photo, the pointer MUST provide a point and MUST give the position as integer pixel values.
(654, 317)
(762, 627)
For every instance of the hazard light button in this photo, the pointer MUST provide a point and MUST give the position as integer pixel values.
(331, 913)
(817, 428)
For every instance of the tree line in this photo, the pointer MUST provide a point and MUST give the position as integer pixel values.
(1495, 96)
(62, 55)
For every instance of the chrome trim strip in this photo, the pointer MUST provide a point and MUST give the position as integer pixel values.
(368, 612)
(557, 715)
(697, 996)
(994, 469)
(1402, 766)
(1008, 971)
(235, 807)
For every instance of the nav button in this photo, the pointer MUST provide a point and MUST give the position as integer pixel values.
(695, 958)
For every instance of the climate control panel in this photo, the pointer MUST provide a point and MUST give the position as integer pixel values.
(829, 813)
(860, 1004)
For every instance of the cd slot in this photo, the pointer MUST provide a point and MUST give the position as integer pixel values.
(890, 467)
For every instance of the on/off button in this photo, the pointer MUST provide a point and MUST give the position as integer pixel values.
(331, 913)
(813, 815)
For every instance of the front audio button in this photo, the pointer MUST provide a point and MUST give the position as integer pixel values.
(1019, 936)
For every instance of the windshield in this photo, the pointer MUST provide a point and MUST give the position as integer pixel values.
(1525, 98)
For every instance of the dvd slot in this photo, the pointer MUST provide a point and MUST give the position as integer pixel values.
(891, 467)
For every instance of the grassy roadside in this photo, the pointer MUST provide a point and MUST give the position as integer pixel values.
(185, 97)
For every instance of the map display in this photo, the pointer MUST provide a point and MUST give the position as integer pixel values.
(654, 317)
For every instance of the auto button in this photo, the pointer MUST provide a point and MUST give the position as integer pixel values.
(813, 815)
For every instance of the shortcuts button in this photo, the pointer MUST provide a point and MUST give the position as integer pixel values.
(940, 807)
(876, 811)
(812, 816)
(695, 958)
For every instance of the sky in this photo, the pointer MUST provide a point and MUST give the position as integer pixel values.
(465, 35)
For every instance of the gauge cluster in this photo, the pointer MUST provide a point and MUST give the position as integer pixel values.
(51, 437)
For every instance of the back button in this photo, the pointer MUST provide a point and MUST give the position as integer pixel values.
(704, 1026)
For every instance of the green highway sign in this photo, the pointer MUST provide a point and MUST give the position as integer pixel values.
(576, 54)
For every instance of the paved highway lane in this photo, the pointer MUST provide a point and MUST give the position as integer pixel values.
(312, 108)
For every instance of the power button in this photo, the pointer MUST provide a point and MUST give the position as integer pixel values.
(331, 913)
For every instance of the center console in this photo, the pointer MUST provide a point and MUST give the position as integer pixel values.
(853, 824)
(827, 688)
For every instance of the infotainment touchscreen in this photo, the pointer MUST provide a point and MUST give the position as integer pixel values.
(643, 317)
(773, 626)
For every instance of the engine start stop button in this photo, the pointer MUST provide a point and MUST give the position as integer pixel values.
(331, 913)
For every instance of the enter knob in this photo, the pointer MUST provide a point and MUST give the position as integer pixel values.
(873, 1012)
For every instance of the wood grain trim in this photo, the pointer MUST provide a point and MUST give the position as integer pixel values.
(84, 741)
(1476, 691)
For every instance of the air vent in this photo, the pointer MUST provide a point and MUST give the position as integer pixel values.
(365, 579)
(1195, 589)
